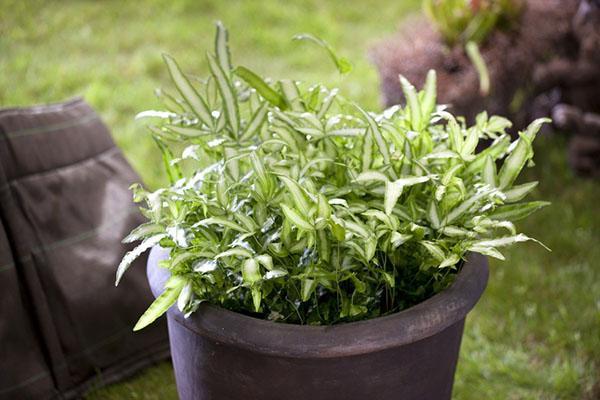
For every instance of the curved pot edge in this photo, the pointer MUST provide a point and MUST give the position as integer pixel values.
(413, 324)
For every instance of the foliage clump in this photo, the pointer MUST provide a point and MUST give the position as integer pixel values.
(462, 21)
(300, 206)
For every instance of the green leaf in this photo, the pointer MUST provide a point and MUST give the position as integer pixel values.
(223, 222)
(522, 152)
(256, 82)
(410, 93)
(434, 250)
(264, 180)
(298, 196)
(432, 215)
(367, 151)
(142, 231)
(266, 261)
(487, 251)
(470, 143)
(162, 303)
(187, 132)
(376, 132)
(506, 241)
(399, 239)
(230, 104)
(132, 255)
(250, 271)
(515, 212)
(517, 193)
(449, 261)
(308, 287)
(430, 95)
(342, 64)
(296, 218)
(256, 297)
(291, 95)
(478, 62)
(173, 171)
(370, 176)
(489, 171)
(184, 296)
(255, 123)
(222, 47)
(393, 190)
(187, 91)
(235, 252)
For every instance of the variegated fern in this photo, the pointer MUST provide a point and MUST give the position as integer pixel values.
(302, 207)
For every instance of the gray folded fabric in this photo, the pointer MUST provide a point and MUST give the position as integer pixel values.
(64, 208)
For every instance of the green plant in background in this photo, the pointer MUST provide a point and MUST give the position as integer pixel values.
(462, 21)
(300, 206)
(469, 23)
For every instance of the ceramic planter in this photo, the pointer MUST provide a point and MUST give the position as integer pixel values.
(219, 354)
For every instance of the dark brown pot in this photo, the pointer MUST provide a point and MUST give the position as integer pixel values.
(219, 354)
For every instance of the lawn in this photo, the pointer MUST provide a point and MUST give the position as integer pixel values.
(536, 332)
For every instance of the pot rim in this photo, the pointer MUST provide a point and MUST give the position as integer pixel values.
(346, 339)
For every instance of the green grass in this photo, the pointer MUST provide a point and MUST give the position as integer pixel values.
(534, 335)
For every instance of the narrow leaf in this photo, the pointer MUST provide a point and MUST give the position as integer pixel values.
(230, 104)
(342, 64)
(263, 88)
(132, 255)
(410, 93)
(296, 218)
(515, 212)
(162, 303)
(517, 193)
(187, 91)
(478, 62)
(222, 47)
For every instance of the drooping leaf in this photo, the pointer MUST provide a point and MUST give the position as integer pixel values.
(132, 255)
(342, 64)
(162, 303)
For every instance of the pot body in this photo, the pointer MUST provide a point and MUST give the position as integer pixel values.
(218, 354)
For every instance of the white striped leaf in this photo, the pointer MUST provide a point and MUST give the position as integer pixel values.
(162, 303)
(132, 255)
(296, 218)
(222, 47)
(188, 92)
(298, 196)
(230, 103)
(412, 100)
(515, 162)
(518, 192)
(515, 212)
(394, 189)
(429, 97)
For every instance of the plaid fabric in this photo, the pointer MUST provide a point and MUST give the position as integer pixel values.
(64, 208)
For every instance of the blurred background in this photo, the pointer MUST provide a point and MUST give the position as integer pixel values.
(536, 332)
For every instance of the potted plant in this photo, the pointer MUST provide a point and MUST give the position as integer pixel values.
(308, 249)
